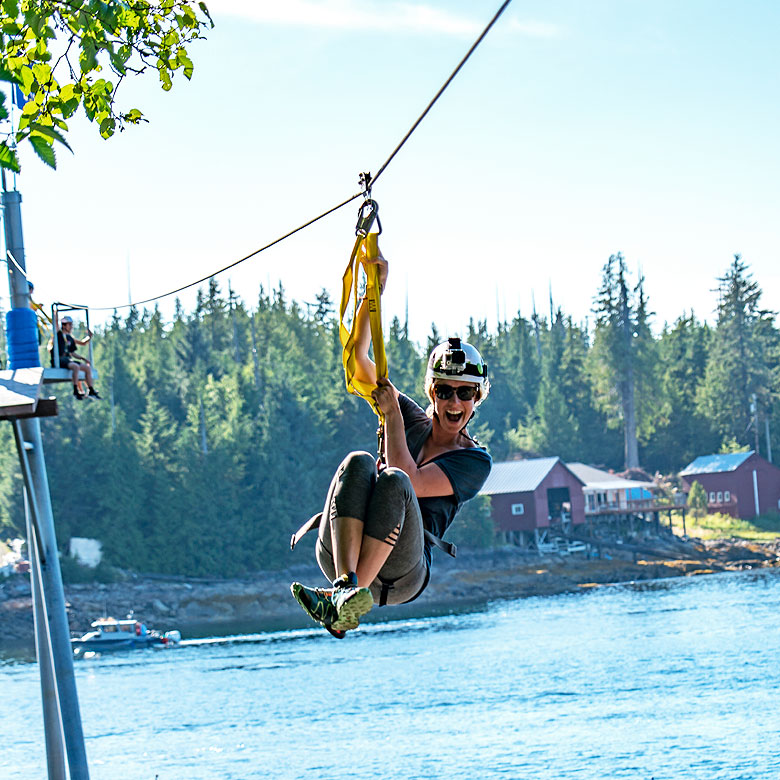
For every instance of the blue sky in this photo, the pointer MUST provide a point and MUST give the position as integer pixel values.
(577, 130)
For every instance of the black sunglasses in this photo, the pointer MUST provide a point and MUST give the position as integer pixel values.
(464, 392)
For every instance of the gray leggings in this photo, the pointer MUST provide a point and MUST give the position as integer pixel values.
(388, 507)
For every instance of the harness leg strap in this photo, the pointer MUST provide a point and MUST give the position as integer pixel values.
(309, 525)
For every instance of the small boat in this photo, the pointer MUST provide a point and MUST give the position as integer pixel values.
(110, 634)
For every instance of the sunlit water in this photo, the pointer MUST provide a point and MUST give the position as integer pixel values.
(675, 679)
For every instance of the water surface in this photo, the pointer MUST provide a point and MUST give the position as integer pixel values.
(671, 679)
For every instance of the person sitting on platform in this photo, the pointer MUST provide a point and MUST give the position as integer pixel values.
(71, 360)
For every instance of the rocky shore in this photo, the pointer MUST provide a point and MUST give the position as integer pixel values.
(200, 607)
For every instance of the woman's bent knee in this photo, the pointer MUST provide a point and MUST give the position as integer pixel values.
(358, 461)
(395, 480)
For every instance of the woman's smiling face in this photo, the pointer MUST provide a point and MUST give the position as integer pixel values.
(454, 411)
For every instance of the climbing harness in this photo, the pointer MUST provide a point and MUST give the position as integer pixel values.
(364, 252)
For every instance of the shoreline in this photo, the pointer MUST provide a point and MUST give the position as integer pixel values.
(260, 603)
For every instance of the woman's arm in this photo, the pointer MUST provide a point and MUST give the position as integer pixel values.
(427, 481)
(365, 370)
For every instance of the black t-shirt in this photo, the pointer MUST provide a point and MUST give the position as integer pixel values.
(66, 346)
(467, 469)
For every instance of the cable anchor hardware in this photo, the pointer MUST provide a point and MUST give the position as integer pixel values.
(364, 179)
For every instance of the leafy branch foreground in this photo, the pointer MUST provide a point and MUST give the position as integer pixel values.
(55, 52)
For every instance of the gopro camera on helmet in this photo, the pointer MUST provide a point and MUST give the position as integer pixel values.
(454, 358)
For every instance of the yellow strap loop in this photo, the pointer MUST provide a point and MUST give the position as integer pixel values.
(43, 319)
(366, 248)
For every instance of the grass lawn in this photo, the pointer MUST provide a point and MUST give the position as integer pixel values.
(764, 528)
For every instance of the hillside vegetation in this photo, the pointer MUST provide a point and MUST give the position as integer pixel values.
(220, 430)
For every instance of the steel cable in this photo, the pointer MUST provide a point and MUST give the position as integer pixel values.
(381, 170)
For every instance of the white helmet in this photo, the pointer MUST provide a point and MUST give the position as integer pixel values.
(456, 359)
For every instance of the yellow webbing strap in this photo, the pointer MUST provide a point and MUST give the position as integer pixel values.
(43, 319)
(365, 247)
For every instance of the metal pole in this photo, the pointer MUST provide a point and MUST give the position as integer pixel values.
(14, 244)
(755, 492)
(28, 437)
(55, 341)
(30, 448)
(52, 723)
(754, 409)
(768, 440)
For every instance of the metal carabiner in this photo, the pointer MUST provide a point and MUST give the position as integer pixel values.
(367, 213)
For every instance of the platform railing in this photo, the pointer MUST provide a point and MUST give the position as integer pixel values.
(55, 373)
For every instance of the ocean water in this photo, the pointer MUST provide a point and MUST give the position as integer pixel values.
(671, 679)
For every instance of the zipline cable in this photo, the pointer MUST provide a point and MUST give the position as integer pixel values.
(232, 265)
(441, 91)
(381, 170)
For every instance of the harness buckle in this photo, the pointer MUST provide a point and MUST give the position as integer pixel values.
(380, 446)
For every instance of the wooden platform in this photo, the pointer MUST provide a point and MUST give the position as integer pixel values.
(20, 395)
(19, 391)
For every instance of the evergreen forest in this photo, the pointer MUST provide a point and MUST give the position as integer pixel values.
(219, 430)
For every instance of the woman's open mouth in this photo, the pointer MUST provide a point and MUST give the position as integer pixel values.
(454, 416)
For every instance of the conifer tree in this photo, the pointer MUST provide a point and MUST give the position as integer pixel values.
(622, 342)
(743, 358)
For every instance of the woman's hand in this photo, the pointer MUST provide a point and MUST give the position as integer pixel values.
(386, 397)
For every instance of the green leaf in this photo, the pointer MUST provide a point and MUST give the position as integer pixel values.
(3, 109)
(107, 127)
(88, 57)
(27, 77)
(206, 13)
(44, 150)
(49, 132)
(42, 73)
(165, 78)
(11, 8)
(184, 60)
(69, 106)
(9, 74)
(9, 158)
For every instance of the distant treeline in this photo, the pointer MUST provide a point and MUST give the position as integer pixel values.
(220, 430)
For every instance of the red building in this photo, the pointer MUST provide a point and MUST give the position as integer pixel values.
(740, 484)
(527, 495)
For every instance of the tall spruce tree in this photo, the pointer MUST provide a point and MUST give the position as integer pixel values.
(622, 353)
(742, 366)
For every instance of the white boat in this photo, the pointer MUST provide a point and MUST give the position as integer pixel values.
(110, 634)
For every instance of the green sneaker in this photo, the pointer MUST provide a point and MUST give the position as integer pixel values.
(350, 603)
(316, 603)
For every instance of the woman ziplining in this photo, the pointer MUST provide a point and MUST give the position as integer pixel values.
(380, 521)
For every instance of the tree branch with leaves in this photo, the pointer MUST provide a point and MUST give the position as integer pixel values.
(58, 55)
